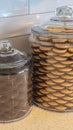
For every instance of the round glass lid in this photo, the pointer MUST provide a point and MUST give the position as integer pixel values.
(61, 24)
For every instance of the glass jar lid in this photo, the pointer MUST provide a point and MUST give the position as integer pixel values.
(10, 57)
(61, 24)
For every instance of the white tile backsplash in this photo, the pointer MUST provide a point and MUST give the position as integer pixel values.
(40, 6)
(13, 7)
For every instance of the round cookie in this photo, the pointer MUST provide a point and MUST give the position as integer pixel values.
(70, 40)
(42, 38)
(59, 51)
(62, 46)
(67, 69)
(57, 73)
(44, 48)
(59, 40)
(59, 80)
(49, 68)
(52, 103)
(59, 65)
(66, 84)
(59, 58)
(67, 54)
(60, 108)
(70, 49)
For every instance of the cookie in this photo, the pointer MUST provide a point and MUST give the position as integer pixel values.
(51, 97)
(38, 93)
(70, 49)
(66, 91)
(51, 61)
(69, 105)
(59, 40)
(39, 100)
(61, 101)
(59, 65)
(71, 88)
(52, 103)
(71, 81)
(66, 84)
(58, 80)
(42, 38)
(50, 90)
(44, 78)
(67, 98)
(58, 94)
(57, 73)
(43, 91)
(48, 44)
(57, 87)
(45, 99)
(67, 54)
(36, 57)
(43, 56)
(59, 51)
(50, 82)
(35, 45)
(67, 77)
(49, 75)
(36, 51)
(59, 58)
(50, 53)
(44, 48)
(36, 64)
(55, 30)
(42, 70)
(45, 104)
(62, 46)
(42, 84)
(49, 68)
(44, 63)
(70, 40)
(67, 69)
(60, 108)
(67, 62)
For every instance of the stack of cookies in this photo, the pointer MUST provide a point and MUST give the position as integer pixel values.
(53, 73)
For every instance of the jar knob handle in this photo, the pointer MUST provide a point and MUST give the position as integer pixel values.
(5, 47)
(64, 11)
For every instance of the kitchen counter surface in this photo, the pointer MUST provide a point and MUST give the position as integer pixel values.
(40, 119)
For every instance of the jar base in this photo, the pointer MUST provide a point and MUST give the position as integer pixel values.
(50, 109)
(18, 119)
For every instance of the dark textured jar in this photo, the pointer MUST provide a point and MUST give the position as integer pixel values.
(52, 56)
(15, 83)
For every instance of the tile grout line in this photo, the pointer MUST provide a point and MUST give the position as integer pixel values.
(29, 14)
(28, 7)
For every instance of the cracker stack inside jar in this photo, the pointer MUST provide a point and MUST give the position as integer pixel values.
(52, 62)
(15, 83)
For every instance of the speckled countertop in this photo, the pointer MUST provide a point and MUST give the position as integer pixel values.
(40, 119)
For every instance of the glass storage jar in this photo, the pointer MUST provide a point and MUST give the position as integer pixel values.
(52, 62)
(15, 83)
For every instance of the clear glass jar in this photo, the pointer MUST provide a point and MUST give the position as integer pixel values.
(15, 83)
(52, 56)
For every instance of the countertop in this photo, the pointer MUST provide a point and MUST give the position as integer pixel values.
(40, 119)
